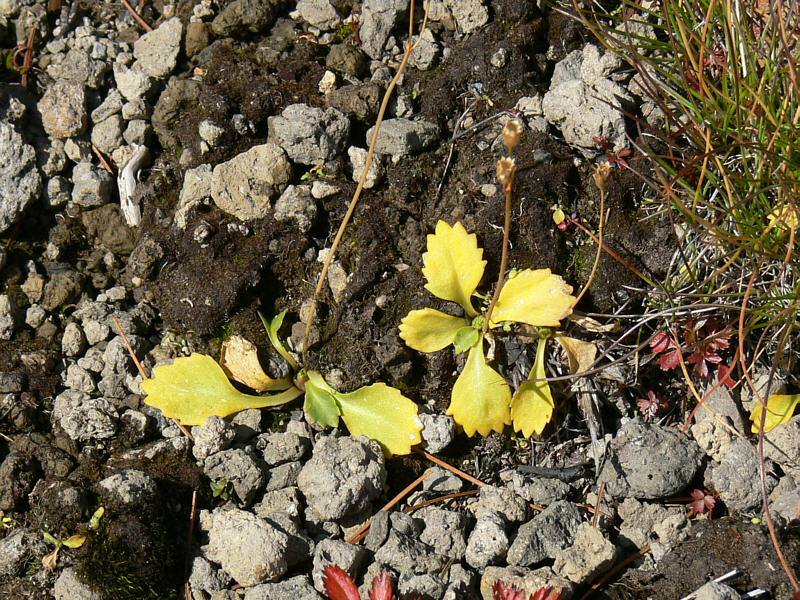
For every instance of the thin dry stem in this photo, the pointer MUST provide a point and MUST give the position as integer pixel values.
(137, 17)
(601, 179)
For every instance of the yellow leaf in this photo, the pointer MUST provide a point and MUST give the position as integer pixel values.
(429, 330)
(481, 397)
(532, 405)
(780, 408)
(453, 265)
(239, 359)
(383, 414)
(537, 298)
(75, 541)
(193, 388)
(580, 354)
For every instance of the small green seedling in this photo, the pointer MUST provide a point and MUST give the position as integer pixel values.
(481, 400)
(221, 489)
(193, 388)
(50, 561)
(6, 522)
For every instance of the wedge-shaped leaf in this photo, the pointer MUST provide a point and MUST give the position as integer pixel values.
(75, 541)
(536, 297)
(780, 408)
(320, 404)
(532, 405)
(453, 265)
(429, 330)
(273, 327)
(580, 354)
(193, 388)
(239, 359)
(383, 414)
(466, 338)
(481, 398)
(338, 584)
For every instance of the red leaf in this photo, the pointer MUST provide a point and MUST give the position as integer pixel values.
(501, 591)
(382, 587)
(546, 593)
(702, 502)
(669, 361)
(724, 376)
(339, 585)
(661, 342)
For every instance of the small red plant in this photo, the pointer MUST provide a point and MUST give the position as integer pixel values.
(650, 406)
(340, 586)
(614, 158)
(501, 591)
(703, 503)
(702, 343)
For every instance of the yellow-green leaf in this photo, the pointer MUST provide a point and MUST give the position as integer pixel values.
(193, 388)
(453, 265)
(239, 359)
(383, 414)
(780, 408)
(429, 330)
(75, 541)
(536, 297)
(273, 328)
(532, 405)
(466, 338)
(481, 398)
(320, 404)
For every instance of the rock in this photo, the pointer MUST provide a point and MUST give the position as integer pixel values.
(406, 554)
(241, 469)
(499, 58)
(441, 481)
(111, 105)
(488, 542)
(378, 19)
(18, 474)
(716, 591)
(321, 190)
(91, 186)
(539, 490)
(320, 14)
(644, 523)
(62, 288)
(589, 555)
(348, 59)
(78, 378)
(82, 418)
(596, 66)
(736, 477)
(296, 203)
(500, 500)
(279, 448)
(63, 109)
(426, 52)
(244, 185)
(107, 135)
(283, 476)
(210, 132)
(58, 192)
(785, 498)
(342, 477)
(525, 580)
(711, 428)
(79, 67)
(249, 549)
(361, 101)
(17, 549)
(132, 82)
(284, 502)
(438, 431)
(358, 160)
(129, 487)
(544, 535)
(296, 588)
(403, 137)
(446, 532)
(196, 188)
(339, 553)
(69, 586)
(35, 316)
(470, 15)
(156, 52)
(211, 437)
(8, 317)
(197, 38)
(243, 16)
(137, 132)
(782, 445)
(12, 382)
(310, 135)
(20, 182)
(205, 579)
(649, 461)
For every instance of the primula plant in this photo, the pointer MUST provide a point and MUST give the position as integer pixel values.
(481, 399)
(193, 388)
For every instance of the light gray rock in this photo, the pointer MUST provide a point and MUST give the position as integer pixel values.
(544, 535)
(58, 192)
(244, 185)
(295, 588)
(118, 366)
(736, 477)
(69, 586)
(132, 82)
(286, 501)
(322, 189)
(714, 421)
(403, 137)
(335, 552)
(241, 469)
(196, 188)
(500, 500)
(358, 161)
(8, 317)
(567, 69)
(596, 66)
(649, 461)
(90, 186)
(446, 532)
(282, 447)
(111, 105)
(782, 445)
(136, 109)
(107, 135)
(283, 476)
(438, 431)
(716, 591)
(137, 132)
(17, 549)
(320, 14)
(343, 476)
(63, 109)
(79, 67)
(157, 51)
(488, 542)
(310, 135)
(407, 554)
(78, 378)
(427, 52)
(785, 498)
(644, 523)
(378, 19)
(211, 437)
(20, 182)
(205, 578)
(131, 487)
(82, 418)
(297, 204)
(589, 554)
(249, 549)
(539, 490)
(470, 15)
(95, 331)
(210, 132)
(441, 481)
(35, 316)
